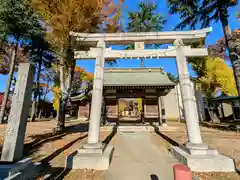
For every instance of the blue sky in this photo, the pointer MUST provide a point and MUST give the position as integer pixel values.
(168, 64)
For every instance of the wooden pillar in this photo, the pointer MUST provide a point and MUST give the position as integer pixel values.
(143, 110)
(159, 112)
(117, 106)
(163, 111)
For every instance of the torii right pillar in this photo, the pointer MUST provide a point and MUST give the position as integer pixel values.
(197, 155)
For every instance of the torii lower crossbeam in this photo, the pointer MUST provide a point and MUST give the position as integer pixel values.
(145, 53)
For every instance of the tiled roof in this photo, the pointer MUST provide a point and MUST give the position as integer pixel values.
(136, 77)
(132, 77)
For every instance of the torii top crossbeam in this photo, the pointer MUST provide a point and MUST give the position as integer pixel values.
(147, 37)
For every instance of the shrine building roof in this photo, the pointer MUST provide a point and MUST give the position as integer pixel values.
(132, 78)
(136, 77)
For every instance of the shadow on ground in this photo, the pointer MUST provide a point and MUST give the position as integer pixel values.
(41, 139)
(110, 136)
(50, 172)
(154, 177)
(58, 173)
(169, 140)
(223, 127)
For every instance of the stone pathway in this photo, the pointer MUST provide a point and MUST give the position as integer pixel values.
(136, 156)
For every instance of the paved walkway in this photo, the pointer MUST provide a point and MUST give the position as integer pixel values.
(137, 157)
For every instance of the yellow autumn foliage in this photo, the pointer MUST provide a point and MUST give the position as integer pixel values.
(63, 16)
(217, 76)
(225, 77)
(84, 75)
(56, 98)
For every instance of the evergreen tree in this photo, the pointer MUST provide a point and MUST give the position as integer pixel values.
(172, 77)
(41, 56)
(19, 22)
(145, 20)
(204, 12)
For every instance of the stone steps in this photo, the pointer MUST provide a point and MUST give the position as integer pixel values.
(137, 128)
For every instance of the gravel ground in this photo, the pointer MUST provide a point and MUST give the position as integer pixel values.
(52, 149)
(217, 176)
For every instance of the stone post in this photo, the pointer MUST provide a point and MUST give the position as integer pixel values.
(189, 101)
(195, 153)
(94, 154)
(95, 115)
(17, 122)
(180, 103)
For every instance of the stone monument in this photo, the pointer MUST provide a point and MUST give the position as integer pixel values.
(13, 165)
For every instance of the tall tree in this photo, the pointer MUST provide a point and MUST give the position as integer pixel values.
(204, 12)
(61, 18)
(114, 24)
(145, 20)
(41, 56)
(213, 76)
(19, 22)
(81, 79)
(172, 77)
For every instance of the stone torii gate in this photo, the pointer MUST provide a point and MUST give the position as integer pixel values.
(195, 153)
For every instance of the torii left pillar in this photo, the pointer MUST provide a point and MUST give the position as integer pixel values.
(94, 154)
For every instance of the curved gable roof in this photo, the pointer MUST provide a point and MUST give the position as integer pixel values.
(136, 77)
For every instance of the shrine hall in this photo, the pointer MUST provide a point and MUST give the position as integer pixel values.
(131, 96)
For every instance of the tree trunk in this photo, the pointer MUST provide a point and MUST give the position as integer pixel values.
(61, 113)
(37, 91)
(64, 100)
(10, 77)
(65, 86)
(40, 113)
(46, 92)
(232, 49)
(33, 110)
(39, 107)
